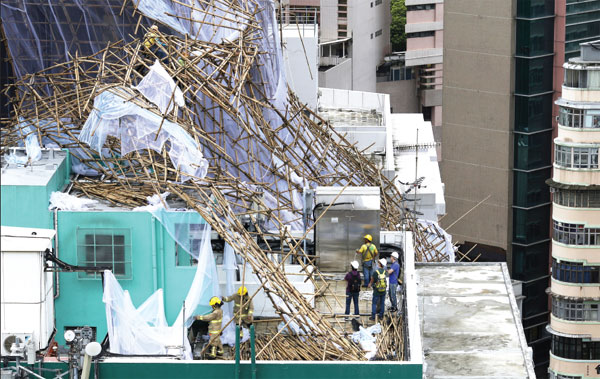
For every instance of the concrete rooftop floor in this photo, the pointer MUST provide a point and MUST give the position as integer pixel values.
(470, 322)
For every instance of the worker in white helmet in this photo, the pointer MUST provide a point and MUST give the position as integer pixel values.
(379, 284)
(394, 279)
(353, 287)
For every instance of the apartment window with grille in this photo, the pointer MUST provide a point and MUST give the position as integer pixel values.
(378, 33)
(104, 247)
(576, 157)
(575, 348)
(575, 234)
(575, 310)
(577, 199)
(342, 15)
(579, 118)
(582, 79)
(575, 272)
(554, 375)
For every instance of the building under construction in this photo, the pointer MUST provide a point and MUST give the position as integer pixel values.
(154, 157)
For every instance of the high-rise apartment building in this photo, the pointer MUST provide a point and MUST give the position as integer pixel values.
(354, 38)
(575, 284)
(424, 53)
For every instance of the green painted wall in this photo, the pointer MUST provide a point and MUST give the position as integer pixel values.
(219, 370)
(27, 206)
(153, 266)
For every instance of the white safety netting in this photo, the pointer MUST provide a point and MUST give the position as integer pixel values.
(438, 233)
(140, 129)
(143, 330)
(160, 89)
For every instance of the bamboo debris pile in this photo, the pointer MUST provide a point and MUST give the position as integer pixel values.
(390, 342)
(292, 348)
(263, 146)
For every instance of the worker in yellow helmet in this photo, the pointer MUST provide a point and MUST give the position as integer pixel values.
(154, 44)
(368, 252)
(215, 320)
(243, 310)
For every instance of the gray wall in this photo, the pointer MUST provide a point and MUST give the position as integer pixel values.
(477, 149)
(403, 95)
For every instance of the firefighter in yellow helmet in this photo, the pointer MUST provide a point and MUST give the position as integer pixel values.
(368, 252)
(214, 327)
(243, 310)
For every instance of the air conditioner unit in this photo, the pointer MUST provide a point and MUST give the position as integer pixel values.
(9, 338)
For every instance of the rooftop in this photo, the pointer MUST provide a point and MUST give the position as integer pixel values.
(470, 322)
(44, 169)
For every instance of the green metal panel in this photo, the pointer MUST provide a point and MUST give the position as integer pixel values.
(265, 370)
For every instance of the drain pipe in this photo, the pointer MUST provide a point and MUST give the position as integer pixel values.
(56, 274)
(252, 352)
(237, 352)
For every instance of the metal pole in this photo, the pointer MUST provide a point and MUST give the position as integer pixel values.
(183, 330)
(252, 352)
(237, 352)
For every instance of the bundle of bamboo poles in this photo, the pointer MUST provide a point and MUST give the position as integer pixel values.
(262, 152)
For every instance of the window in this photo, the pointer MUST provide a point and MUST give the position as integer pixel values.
(575, 272)
(589, 79)
(530, 188)
(532, 150)
(533, 75)
(531, 34)
(577, 199)
(193, 234)
(579, 118)
(575, 348)
(420, 7)
(530, 225)
(378, 2)
(575, 310)
(576, 157)
(104, 247)
(575, 234)
(378, 33)
(533, 113)
(554, 375)
(430, 33)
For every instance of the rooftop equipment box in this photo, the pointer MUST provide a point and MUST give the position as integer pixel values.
(352, 214)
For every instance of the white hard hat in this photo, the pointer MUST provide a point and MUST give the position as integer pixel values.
(354, 264)
(395, 254)
(383, 262)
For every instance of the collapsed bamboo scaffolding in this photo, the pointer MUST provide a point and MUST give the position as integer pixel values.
(261, 151)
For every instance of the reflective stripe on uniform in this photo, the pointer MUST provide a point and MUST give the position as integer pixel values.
(219, 320)
(214, 332)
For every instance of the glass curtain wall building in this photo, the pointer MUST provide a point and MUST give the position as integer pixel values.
(532, 166)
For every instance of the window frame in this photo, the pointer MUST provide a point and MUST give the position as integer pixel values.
(88, 252)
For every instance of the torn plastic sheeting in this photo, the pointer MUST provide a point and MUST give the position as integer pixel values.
(144, 330)
(66, 202)
(32, 145)
(137, 127)
(365, 338)
(432, 237)
(129, 329)
(214, 24)
(160, 89)
(230, 267)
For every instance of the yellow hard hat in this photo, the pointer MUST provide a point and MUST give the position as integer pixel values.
(242, 291)
(369, 237)
(214, 301)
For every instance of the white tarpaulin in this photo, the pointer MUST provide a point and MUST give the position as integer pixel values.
(144, 330)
